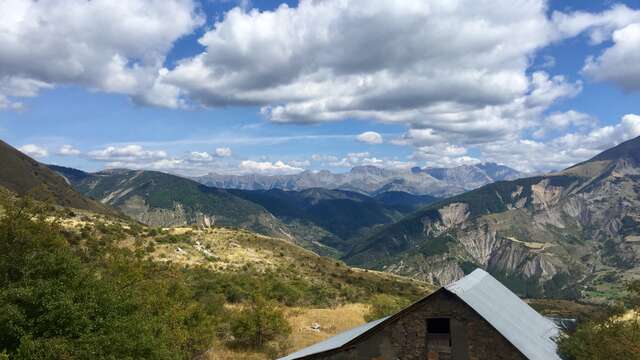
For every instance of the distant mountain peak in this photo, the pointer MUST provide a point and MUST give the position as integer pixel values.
(371, 179)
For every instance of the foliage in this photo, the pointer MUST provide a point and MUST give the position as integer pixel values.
(610, 337)
(259, 324)
(57, 304)
(385, 305)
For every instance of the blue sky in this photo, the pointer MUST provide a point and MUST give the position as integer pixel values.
(239, 87)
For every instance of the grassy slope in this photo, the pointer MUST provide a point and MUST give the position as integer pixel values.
(22, 175)
(164, 191)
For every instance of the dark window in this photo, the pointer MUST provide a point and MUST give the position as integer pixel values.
(438, 326)
(438, 336)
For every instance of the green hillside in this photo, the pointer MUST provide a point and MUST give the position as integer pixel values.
(23, 175)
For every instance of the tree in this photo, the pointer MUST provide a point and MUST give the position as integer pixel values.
(55, 304)
(258, 324)
(615, 337)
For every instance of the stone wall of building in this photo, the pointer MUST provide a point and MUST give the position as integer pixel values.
(473, 338)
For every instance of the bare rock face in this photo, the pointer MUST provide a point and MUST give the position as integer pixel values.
(545, 195)
(558, 235)
(136, 208)
(454, 214)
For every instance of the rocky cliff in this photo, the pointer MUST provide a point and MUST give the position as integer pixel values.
(564, 234)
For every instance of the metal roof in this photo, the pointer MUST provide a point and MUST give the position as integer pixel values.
(531, 333)
(525, 328)
(334, 342)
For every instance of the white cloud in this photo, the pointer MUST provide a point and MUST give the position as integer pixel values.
(269, 168)
(6, 104)
(34, 150)
(68, 150)
(168, 165)
(127, 153)
(443, 155)
(205, 157)
(564, 150)
(598, 26)
(436, 64)
(366, 159)
(113, 46)
(223, 152)
(561, 121)
(324, 158)
(200, 157)
(370, 137)
(299, 163)
(619, 64)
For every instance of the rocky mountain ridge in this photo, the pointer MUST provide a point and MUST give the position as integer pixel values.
(372, 180)
(318, 219)
(563, 234)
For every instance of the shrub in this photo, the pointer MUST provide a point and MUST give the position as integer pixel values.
(608, 338)
(55, 304)
(259, 324)
(385, 305)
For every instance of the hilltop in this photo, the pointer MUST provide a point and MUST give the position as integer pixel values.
(160, 199)
(23, 175)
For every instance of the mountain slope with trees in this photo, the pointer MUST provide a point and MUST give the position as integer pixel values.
(23, 175)
(571, 233)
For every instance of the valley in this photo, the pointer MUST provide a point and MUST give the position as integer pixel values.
(561, 235)
(232, 247)
(564, 234)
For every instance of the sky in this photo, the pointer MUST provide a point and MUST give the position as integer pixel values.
(237, 87)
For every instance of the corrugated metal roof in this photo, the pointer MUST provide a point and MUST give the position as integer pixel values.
(531, 333)
(334, 342)
(525, 328)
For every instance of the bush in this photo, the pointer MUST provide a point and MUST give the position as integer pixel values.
(385, 305)
(55, 304)
(259, 324)
(608, 338)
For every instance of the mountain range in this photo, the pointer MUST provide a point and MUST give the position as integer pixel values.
(570, 233)
(321, 220)
(573, 233)
(372, 180)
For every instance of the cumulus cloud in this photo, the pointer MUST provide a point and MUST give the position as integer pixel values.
(113, 46)
(68, 150)
(127, 153)
(370, 137)
(561, 121)
(324, 158)
(619, 64)
(366, 159)
(443, 155)
(564, 150)
(200, 157)
(390, 61)
(598, 26)
(223, 152)
(34, 150)
(268, 168)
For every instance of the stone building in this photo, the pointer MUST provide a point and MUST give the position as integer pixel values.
(474, 318)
